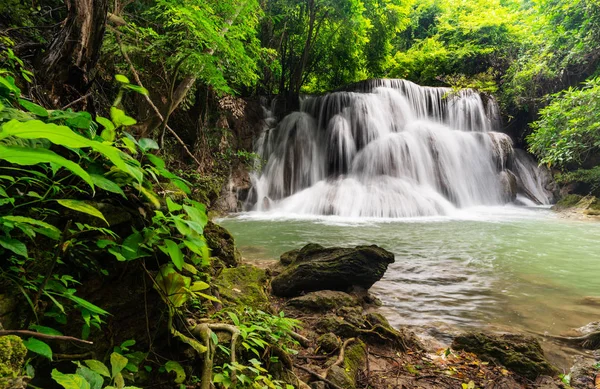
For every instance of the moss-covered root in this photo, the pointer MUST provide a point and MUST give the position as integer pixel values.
(12, 359)
(344, 372)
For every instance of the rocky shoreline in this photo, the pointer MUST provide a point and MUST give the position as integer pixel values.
(346, 343)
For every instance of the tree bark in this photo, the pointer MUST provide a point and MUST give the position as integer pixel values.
(74, 51)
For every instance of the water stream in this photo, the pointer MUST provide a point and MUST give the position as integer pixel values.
(521, 268)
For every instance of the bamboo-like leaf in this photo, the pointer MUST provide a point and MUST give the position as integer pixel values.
(82, 206)
(27, 157)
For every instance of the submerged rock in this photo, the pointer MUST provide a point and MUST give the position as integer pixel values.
(518, 353)
(323, 300)
(314, 268)
(222, 245)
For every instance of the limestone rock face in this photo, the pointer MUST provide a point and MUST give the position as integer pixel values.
(519, 353)
(315, 268)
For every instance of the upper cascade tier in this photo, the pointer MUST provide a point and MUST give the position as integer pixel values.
(391, 148)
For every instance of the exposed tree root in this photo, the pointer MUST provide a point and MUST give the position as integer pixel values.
(318, 376)
(202, 331)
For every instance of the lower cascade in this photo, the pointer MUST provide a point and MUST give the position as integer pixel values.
(391, 149)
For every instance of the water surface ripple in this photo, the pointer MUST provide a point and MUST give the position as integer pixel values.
(504, 266)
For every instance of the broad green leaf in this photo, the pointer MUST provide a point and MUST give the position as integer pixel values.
(173, 285)
(64, 136)
(14, 245)
(196, 215)
(70, 381)
(119, 117)
(38, 347)
(176, 367)
(147, 144)
(118, 363)
(83, 120)
(107, 124)
(108, 135)
(106, 184)
(175, 253)
(173, 206)
(156, 161)
(93, 378)
(119, 381)
(45, 330)
(98, 367)
(33, 108)
(82, 206)
(29, 156)
(122, 79)
(9, 83)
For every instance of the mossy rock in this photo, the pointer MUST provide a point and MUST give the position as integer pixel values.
(328, 343)
(292, 256)
(323, 300)
(346, 374)
(222, 244)
(383, 332)
(12, 359)
(568, 201)
(519, 353)
(337, 326)
(243, 286)
(313, 267)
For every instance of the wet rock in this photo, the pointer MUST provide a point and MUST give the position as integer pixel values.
(352, 315)
(292, 256)
(244, 286)
(588, 205)
(509, 185)
(328, 343)
(546, 382)
(323, 300)
(12, 359)
(222, 245)
(519, 353)
(313, 269)
(382, 332)
(346, 374)
(583, 373)
(336, 325)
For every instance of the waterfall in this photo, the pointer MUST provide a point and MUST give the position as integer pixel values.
(389, 148)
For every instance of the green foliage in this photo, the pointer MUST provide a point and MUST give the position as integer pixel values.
(93, 373)
(56, 175)
(591, 177)
(260, 332)
(568, 130)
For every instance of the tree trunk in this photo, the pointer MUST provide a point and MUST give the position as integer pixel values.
(74, 51)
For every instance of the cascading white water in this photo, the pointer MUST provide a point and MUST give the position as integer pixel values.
(390, 148)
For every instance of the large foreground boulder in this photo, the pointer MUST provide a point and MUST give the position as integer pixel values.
(518, 353)
(315, 268)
